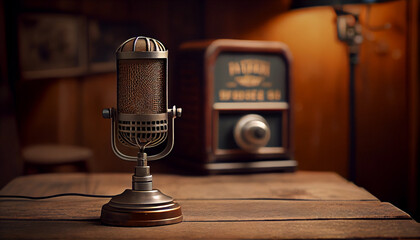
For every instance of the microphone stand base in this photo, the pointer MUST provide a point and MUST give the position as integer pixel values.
(141, 209)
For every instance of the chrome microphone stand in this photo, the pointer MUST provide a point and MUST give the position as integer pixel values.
(142, 205)
(142, 120)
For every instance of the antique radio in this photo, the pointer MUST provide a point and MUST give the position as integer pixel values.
(237, 106)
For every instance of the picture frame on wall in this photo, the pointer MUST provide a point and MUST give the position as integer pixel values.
(104, 37)
(52, 45)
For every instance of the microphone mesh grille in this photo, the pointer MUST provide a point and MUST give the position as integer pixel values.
(141, 86)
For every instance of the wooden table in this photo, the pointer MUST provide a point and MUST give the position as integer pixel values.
(302, 205)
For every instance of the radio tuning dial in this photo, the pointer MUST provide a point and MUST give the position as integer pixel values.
(252, 132)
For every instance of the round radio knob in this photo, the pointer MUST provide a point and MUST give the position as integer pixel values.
(252, 132)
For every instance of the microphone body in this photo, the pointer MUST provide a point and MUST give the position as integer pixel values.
(142, 120)
(142, 94)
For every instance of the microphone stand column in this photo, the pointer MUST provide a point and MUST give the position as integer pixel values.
(142, 205)
(142, 180)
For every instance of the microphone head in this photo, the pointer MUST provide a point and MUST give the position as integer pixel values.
(142, 92)
(142, 70)
(141, 44)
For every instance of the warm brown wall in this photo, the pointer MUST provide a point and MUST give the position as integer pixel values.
(414, 104)
(10, 161)
(99, 92)
(382, 106)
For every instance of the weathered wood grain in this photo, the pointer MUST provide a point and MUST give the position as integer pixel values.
(334, 229)
(300, 185)
(260, 206)
(275, 210)
(77, 208)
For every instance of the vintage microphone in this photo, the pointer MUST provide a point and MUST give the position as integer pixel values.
(142, 120)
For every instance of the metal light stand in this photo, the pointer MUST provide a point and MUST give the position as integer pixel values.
(349, 30)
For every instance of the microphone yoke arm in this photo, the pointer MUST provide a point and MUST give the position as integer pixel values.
(112, 114)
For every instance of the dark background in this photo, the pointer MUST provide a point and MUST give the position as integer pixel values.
(65, 107)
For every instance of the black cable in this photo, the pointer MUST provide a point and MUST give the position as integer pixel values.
(58, 195)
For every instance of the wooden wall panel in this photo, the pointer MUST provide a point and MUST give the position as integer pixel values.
(234, 18)
(382, 149)
(68, 116)
(99, 92)
(37, 111)
(10, 161)
(48, 111)
(413, 7)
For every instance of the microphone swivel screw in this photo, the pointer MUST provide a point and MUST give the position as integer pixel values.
(178, 112)
(106, 113)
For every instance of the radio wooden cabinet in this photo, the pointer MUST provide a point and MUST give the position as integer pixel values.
(237, 106)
